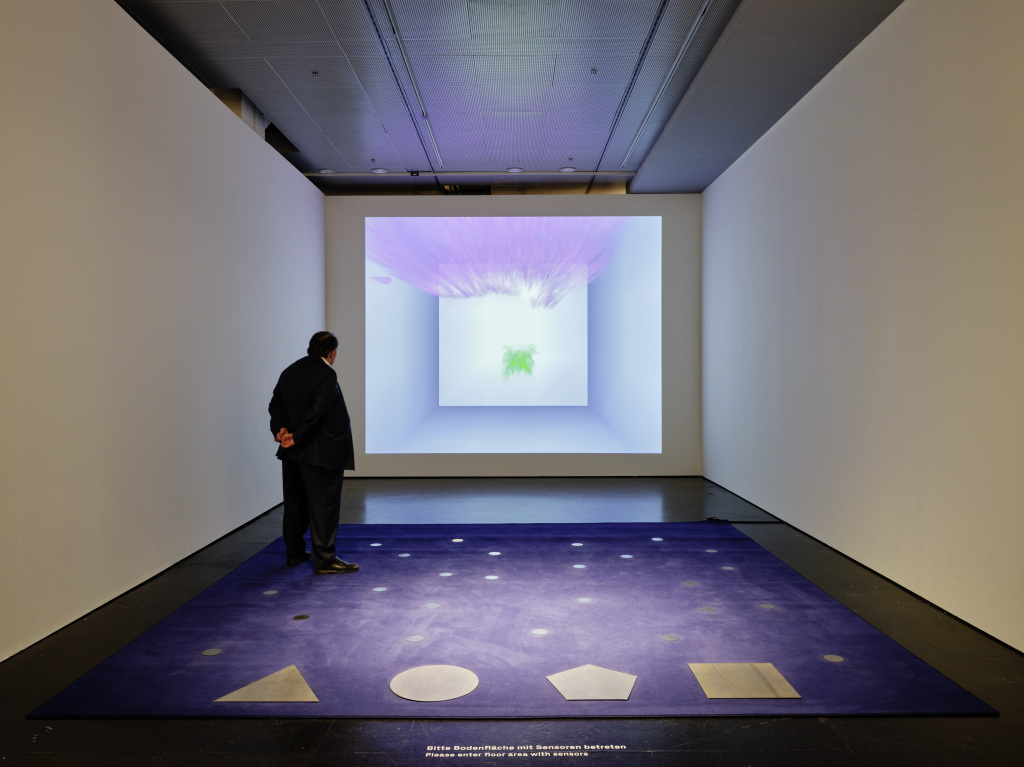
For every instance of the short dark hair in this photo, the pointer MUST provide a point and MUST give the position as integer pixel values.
(322, 344)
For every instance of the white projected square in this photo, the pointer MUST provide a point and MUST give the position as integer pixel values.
(500, 350)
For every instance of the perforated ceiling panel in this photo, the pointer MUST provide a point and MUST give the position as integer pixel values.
(459, 88)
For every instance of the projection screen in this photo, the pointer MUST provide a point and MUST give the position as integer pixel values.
(503, 336)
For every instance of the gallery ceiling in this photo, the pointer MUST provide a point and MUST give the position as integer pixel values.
(470, 96)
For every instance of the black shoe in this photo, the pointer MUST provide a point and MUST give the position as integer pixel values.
(336, 566)
(305, 556)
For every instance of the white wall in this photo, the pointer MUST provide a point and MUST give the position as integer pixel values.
(680, 331)
(864, 311)
(161, 264)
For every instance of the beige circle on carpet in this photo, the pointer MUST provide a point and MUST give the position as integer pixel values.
(434, 683)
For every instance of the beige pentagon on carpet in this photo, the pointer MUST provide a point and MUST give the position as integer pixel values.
(284, 686)
(591, 682)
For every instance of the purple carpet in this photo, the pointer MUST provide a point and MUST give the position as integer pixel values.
(660, 596)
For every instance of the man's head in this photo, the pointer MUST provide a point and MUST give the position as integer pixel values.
(323, 344)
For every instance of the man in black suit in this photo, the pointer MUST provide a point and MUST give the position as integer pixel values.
(309, 419)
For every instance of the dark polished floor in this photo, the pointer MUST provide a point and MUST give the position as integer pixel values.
(985, 667)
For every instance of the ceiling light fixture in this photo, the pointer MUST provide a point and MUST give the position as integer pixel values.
(567, 169)
(379, 170)
(327, 171)
(513, 170)
(668, 77)
(393, 23)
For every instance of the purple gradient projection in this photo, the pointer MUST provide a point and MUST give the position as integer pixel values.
(537, 258)
(445, 296)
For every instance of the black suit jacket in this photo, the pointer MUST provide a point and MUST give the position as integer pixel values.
(308, 402)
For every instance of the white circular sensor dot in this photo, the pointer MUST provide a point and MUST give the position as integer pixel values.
(457, 540)
(375, 544)
(767, 607)
(405, 555)
(834, 658)
(445, 575)
(432, 605)
(494, 553)
(580, 567)
(625, 556)
(491, 577)
(215, 651)
(728, 568)
(269, 593)
(414, 638)
(380, 588)
(711, 551)
(584, 599)
(657, 539)
(539, 632)
(577, 544)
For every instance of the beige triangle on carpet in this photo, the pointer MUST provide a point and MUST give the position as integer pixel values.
(284, 686)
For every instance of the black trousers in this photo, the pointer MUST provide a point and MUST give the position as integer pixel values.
(312, 501)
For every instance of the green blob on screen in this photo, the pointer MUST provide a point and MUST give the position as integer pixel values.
(518, 359)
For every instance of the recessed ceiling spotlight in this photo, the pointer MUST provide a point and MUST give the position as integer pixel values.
(327, 170)
(567, 169)
(513, 170)
(379, 170)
